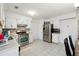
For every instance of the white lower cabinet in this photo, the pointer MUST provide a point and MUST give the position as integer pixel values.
(55, 38)
(10, 52)
(11, 49)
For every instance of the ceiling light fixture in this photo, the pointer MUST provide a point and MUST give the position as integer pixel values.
(31, 13)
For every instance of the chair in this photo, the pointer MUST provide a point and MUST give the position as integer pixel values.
(67, 49)
(72, 46)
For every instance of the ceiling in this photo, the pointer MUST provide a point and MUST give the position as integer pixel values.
(43, 10)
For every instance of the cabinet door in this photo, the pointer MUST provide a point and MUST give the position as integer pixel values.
(2, 14)
(11, 22)
(10, 52)
(55, 38)
(2, 11)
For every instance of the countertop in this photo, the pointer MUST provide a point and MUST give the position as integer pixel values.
(12, 43)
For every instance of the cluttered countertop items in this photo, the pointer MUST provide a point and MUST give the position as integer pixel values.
(6, 38)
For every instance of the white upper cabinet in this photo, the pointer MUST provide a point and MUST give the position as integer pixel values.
(2, 14)
(12, 19)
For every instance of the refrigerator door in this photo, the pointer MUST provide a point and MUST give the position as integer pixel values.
(47, 32)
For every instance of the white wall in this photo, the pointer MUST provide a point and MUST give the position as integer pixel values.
(40, 29)
(68, 27)
(37, 26)
(34, 29)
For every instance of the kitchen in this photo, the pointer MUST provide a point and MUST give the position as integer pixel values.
(29, 26)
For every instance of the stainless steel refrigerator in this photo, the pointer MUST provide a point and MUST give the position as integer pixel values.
(47, 35)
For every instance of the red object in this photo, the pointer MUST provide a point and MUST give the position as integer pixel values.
(1, 37)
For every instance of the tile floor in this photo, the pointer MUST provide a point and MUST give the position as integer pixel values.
(41, 48)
